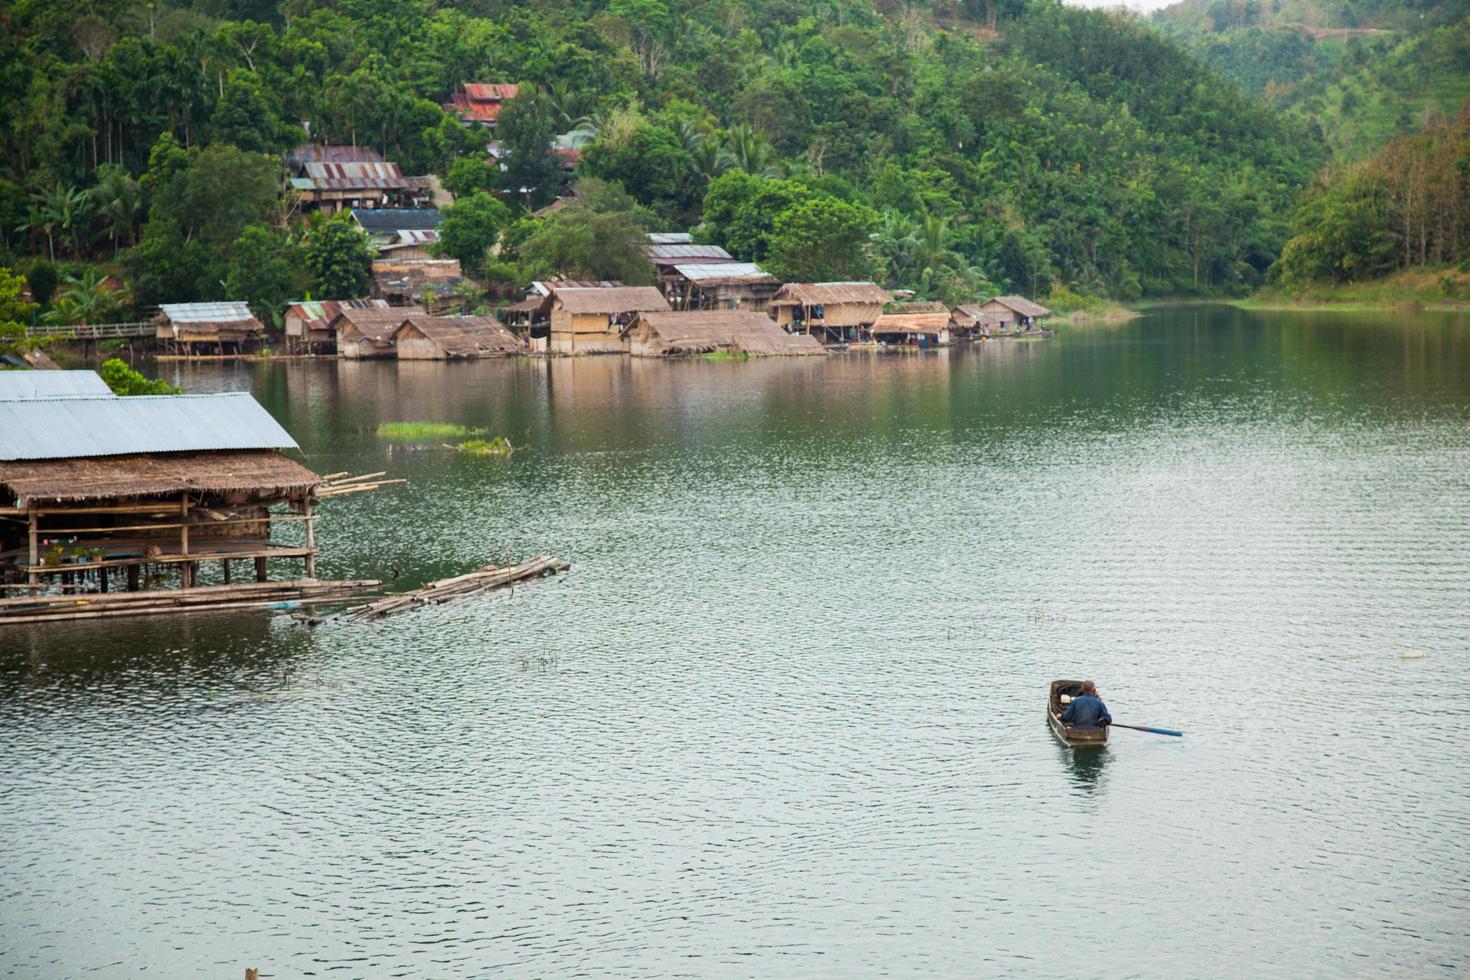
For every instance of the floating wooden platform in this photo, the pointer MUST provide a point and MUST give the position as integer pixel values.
(445, 590)
(243, 595)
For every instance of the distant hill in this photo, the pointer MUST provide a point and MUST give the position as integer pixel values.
(1361, 73)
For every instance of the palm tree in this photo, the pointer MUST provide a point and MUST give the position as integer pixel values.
(746, 150)
(64, 209)
(116, 201)
(86, 299)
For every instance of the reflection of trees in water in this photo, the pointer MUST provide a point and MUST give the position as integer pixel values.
(1085, 766)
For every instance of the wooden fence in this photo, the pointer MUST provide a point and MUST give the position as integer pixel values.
(95, 331)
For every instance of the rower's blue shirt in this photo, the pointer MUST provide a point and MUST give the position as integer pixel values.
(1086, 711)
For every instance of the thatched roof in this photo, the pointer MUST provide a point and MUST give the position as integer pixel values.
(375, 323)
(318, 314)
(930, 323)
(613, 300)
(265, 473)
(973, 314)
(927, 306)
(464, 336)
(830, 294)
(1022, 305)
(741, 331)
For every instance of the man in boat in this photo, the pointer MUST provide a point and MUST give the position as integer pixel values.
(1087, 709)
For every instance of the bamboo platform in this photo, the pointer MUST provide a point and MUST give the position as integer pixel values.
(243, 595)
(446, 590)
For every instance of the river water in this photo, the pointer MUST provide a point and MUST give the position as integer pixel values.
(785, 715)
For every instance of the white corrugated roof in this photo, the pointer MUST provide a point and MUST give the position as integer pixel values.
(719, 270)
(53, 384)
(206, 312)
(63, 428)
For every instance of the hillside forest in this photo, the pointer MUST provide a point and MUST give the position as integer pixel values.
(956, 149)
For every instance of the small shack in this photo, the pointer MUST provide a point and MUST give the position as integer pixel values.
(367, 334)
(309, 323)
(913, 325)
(141, 487)
(1017, 313)
(431, 282)
(666, 256)
(447, 338)
(714, 331)
(972, 320)
(592, 320)
(719, 286)
(334, 186)
(833, 312)
(191, 328)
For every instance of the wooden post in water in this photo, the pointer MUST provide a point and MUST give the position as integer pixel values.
(35, 576)
(260, 568)
(226, 564)
(186, 570)
(310, 540)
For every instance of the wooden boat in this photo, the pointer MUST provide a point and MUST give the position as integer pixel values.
(1073, 735)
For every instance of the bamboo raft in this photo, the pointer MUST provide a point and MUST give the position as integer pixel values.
(240, 595)
(445, 590)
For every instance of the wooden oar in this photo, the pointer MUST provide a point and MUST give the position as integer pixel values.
(1156, 731)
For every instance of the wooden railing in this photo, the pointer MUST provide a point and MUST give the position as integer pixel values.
(95, 331)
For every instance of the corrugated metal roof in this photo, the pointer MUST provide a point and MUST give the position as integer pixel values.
(670, 238)
(63, 428)
(206, 312)
(389, 220)
(52, 384)
(695, 271)
(352, 176)
(416, 236)
(686, 251)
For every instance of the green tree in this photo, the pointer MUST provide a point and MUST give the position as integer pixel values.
(43, 280)
(339, 259)
(471, 174)
(468, 229)
(823, 239)
(655, 167)
(264, 271)
(526, 128)
(14, 311)
(595, 238)
(123, 380)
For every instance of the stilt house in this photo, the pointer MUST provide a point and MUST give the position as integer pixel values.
(107, 492)
(913, 325)
(720, 286)
(418, 281)
(833, 312)
(309, 323)
(216, 328)
(1016, 313)
(973, 320)
(367, 334)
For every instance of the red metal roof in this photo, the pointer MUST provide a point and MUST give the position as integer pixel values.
(353, 176)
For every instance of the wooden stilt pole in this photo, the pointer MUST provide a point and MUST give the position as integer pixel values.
(186, 570)
(226, 564)
(132, 578)
(260, 569)
(310, 540)
(35, 550)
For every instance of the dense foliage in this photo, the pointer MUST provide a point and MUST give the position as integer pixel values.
(123, 380)
(1407, 206)
(1016, 144)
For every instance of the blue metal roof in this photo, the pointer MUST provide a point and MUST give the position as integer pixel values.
(65, 428)
(52, 384)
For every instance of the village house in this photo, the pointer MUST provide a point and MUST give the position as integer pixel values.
(430, 282)
(913, 325)
(399, 233)
(720, 285)
(309, 323)
(714, 331)
(480, 103)
(98, 487)
(832, 312)
(333, 187)
(367, 333)
(972, 320)
(52, 384)
(591, 320)
(1017, 314)
(447, 338)
(217, 328)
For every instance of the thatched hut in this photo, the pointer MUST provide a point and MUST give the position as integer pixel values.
(206, 327)
(973, 320)
(1016, 313)
(447, 338)
(309, 323)
(701, 285)
(367, 333)
(714, 331)
(92, 485)
(592, 320)
(913, 325)
(833, 312)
